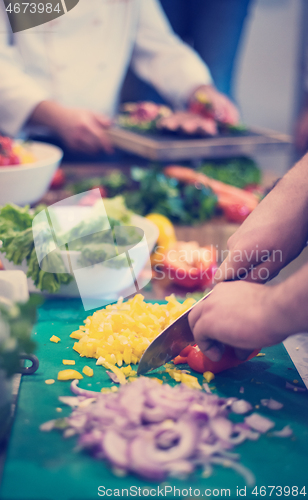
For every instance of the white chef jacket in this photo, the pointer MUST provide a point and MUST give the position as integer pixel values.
(80, 59)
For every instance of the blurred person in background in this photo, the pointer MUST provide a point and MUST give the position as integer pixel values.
(214, 28)
(65, 76)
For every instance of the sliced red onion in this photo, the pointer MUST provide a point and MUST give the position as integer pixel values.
(48, 426)
(113, 377)
(199, 412)
(146, 468)
(155, 414)
(244, 430)
(221, 427)
(69, 400)
(158, 431)
(69, 433)
(206, 387)
(179, 469)
(91, 439)
(243, 471)
(116, 449)
(208, 450)
(183, 448)
(240, 406)
(295, 388)
(259, 423)
(82, 392)
(272, 404)
(78, 421)
(285, 432)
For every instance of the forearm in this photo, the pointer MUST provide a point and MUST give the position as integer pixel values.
(291, 190)
(47, 113)
(290, 299)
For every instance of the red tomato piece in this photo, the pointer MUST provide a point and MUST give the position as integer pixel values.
(236, 213)
(6, 144)
(191, 275)
(200, 363)
(58, 179)
(186, 351)
(179, 360)
(14, 159)
(4, 161)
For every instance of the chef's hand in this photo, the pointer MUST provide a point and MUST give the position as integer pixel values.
(273, 234)
(223, 109)
(243, 315)
(250, 316)
(80, 129)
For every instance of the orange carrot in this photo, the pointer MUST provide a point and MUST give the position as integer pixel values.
(226, 194)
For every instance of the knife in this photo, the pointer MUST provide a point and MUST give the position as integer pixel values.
(169, 343)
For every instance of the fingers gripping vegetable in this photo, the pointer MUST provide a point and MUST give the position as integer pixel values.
(200, 363)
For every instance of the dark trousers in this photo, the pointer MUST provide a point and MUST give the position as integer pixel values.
(213, 28)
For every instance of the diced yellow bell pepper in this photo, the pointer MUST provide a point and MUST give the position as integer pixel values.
(105, 390)
(158, 380)
(68, 361)
(190, 381)
(69, 375)
(50, 381)
(87, 371)
(77, 335)
(121, 332)
(54, 339)
(209, 376)
(126, 370)
(121, 377)
(175, 374)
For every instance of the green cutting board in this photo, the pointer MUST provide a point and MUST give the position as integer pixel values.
(44, 466)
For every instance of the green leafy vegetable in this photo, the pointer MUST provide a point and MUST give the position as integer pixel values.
(239, 172)
(115, 183)
(18, 245)
(157, 193)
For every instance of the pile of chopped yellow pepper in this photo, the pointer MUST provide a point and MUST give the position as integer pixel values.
(184, 378)
(120, 333)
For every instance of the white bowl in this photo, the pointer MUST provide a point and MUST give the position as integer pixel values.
(23, 184)
(117, 280)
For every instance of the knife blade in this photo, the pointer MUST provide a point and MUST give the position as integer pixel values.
(169, 343)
